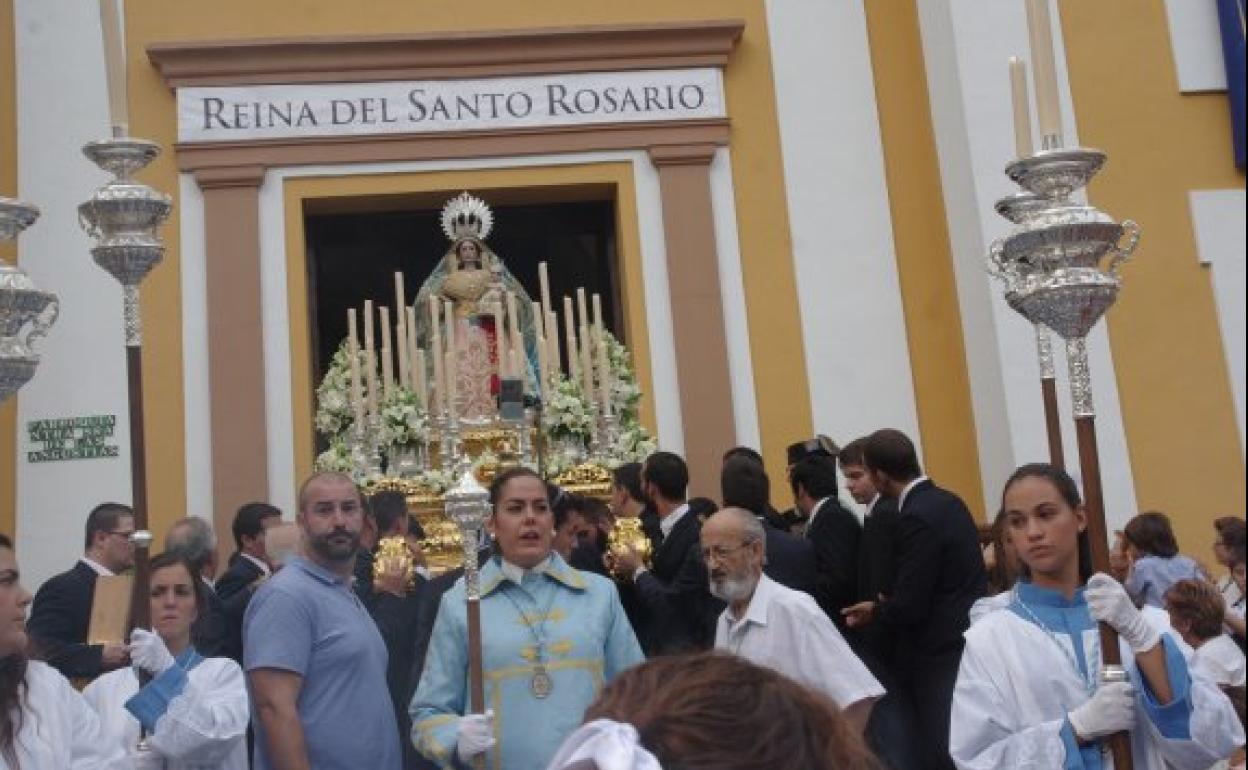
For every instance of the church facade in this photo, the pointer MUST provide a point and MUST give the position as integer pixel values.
(802, 196)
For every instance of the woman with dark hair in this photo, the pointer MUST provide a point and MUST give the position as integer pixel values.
(44, 722)
(1230, 540)
(1156, 563)
(551, 636)
(712, 711)
(1029, 692)
(193, 710)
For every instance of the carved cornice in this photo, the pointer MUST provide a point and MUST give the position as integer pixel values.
(447, 54)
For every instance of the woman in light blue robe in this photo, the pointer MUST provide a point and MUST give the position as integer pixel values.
(551, 638)
(1029, 693)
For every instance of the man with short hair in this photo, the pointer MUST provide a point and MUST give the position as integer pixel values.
(775, 626)
(61, 615)
(249, 566)
(628, 499)
(831, 529)
(790, 559)
(213, 632)
(940, 574)
(315, 661)
(679, 613)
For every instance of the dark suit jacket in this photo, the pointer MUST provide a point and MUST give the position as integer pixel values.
(234, 591)
(835, 532)
(940, 574)
(790, 559)
(678, 610)
(59, 620)
(213, 632)
(877, 573)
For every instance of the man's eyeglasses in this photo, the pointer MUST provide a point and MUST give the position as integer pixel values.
(718, 553)
(122, 534)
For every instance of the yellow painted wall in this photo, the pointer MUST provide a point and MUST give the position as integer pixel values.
(924, 258)
(8, 189)
(775, 333)
(1170, 364)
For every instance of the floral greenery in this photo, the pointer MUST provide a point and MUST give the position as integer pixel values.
(633, 442)
(403, 421)
(337, 458)
(568, 413)
(334, 413)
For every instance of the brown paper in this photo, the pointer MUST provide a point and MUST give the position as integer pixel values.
(110, 609)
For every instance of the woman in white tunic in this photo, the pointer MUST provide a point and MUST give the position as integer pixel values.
(1027, 694)
(194, 709)
(44, 722)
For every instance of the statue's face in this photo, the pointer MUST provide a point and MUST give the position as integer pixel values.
(469, 255)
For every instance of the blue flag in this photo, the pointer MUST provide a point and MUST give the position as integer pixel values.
(1231, 18)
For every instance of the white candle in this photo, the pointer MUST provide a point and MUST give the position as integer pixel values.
(1044, 70)
(400, 329)
(543, 365)
(418, 361)
(409, 325)
(540, 340)
(555, 361)
(543, 278)
(452, 386)
(370, 358)
(582, 312)
(1023, 145)
(587, 365)
(115, 65)
(353, 349)
(569, 322)
(435, 350)
(514, 344)
(604, 374)
(387, 353)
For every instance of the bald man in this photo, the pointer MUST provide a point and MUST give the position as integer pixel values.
(775, 626)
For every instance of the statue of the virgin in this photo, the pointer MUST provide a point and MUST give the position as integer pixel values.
(476, 282)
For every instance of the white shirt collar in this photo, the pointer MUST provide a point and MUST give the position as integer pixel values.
(264, 568)
(814, 510)
(100, 569)
(516, 573)
(871, 505)
(668, 522)
(756, 612)
(901, 499)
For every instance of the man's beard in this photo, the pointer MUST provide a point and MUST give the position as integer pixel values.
(336, 551)
(732, 589)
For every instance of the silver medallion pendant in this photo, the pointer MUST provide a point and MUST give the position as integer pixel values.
(541, 684)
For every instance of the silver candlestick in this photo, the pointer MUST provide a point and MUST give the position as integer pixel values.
(21, 303)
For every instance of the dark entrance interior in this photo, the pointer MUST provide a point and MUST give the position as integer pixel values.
(355, 247)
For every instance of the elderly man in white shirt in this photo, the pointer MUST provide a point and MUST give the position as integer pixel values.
(777, 627)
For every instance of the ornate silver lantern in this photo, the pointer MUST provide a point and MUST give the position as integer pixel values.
(22, 305)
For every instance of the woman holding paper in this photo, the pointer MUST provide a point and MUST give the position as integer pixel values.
(194, 709)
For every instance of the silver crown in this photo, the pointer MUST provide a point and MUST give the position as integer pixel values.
(466, 216)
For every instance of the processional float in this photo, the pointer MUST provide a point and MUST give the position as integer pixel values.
(1060, 270)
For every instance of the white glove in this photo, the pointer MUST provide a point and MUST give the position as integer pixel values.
(148, 652)
(146, 760)
(1111, 709)
(476, 735)
(1109, 603)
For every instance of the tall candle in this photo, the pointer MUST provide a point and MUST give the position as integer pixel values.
(604, 373)
(435, 350)
(554, 362)
(514, 343)
(400, 329)
(115, 65)
(543, 278)
(409, 324)
(582, 313)
(418, 362)
(569, 322)
(370, 358)
(1023, 145)
(452, 386)
(1044, 69)
(587, 365)
(540, 340)
(387, 353)
(543, 365)
(353, 349)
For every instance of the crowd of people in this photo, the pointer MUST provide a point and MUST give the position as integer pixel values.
(739, 637)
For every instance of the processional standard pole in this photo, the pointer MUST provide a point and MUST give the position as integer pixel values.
(468, 505)
(21, 303)
(1052, 269)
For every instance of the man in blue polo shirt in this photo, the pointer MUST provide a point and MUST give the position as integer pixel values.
(315, 661)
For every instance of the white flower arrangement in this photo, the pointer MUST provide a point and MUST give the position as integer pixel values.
(335, 415)
(567, 413)
(336, 459)
(404, 421)
(633, 442)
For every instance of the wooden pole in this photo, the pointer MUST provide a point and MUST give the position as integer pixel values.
(140, 606)
(1053, 422)
(1094, 504)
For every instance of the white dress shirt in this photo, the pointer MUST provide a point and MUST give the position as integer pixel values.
(260, 564)
(100, 569)
(901, 499)
(668, 522)
(786, 631)
(1221, 660)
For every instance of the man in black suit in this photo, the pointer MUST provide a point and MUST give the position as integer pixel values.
(627, 499)
(212, 634)
(794, 518)
(788, 559)
(61, 614)
(940, 574)
(832, 530)
(679, 612)
(249, 566)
